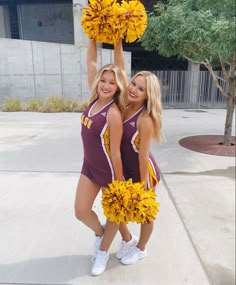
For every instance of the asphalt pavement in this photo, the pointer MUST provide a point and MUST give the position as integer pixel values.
(41, 242)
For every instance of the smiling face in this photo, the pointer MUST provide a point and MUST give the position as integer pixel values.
(107, 85)
(137, 92)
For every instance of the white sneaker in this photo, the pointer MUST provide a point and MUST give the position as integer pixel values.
(97, 243)
(100, 263)
(125, 246)
(133, 255)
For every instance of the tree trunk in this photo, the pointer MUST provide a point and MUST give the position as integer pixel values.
(230, 105)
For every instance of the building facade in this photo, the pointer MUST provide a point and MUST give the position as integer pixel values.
(43, 50)
(53, 21)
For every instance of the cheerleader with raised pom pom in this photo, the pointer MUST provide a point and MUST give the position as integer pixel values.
(142, 123)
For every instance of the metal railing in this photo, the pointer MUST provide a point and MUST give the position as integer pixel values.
(185, 89)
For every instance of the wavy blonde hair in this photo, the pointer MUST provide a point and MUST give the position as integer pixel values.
(119, 96)
(153, 107)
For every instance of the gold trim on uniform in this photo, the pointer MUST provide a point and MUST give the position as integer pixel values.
(106, 141)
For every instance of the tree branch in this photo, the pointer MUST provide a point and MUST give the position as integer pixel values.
(183, 54)
(214, 76)
(226, 76)
(190, 59)
(232, 67)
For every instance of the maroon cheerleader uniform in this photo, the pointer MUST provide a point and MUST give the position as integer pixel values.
(97, 165)
(129, 153)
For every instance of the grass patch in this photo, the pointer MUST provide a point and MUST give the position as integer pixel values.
(55, 104)
(34, 105)
(50, 105)
(12, 105)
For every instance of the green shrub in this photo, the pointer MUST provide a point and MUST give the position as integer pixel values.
(73, 105)
(12, 104)
(50, 105)
(82, 106)
(34, 105)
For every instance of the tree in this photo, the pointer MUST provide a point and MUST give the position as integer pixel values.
(202, 31)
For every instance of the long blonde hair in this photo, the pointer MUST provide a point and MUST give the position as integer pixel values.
(153, 106)
(120, 94)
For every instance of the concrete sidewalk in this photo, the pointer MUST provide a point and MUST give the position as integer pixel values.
(41, 242)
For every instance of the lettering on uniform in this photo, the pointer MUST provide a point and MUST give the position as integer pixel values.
(86, 121)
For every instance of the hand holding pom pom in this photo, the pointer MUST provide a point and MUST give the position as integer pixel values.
(143, 205)
(125, 201)
(115, 201)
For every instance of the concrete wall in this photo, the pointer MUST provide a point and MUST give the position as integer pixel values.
(30, 69)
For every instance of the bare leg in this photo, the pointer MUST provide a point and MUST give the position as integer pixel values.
(86, 193)
(145, 233)
(124, 232)
(111, 229)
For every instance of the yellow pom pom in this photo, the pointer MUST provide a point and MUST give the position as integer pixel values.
(125, 201)
(134, 20)
(115, 202)
(143, 206)
(99, 21)
(106, 21)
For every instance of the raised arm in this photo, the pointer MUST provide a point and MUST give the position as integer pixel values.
(91, 61)
(119, 58)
